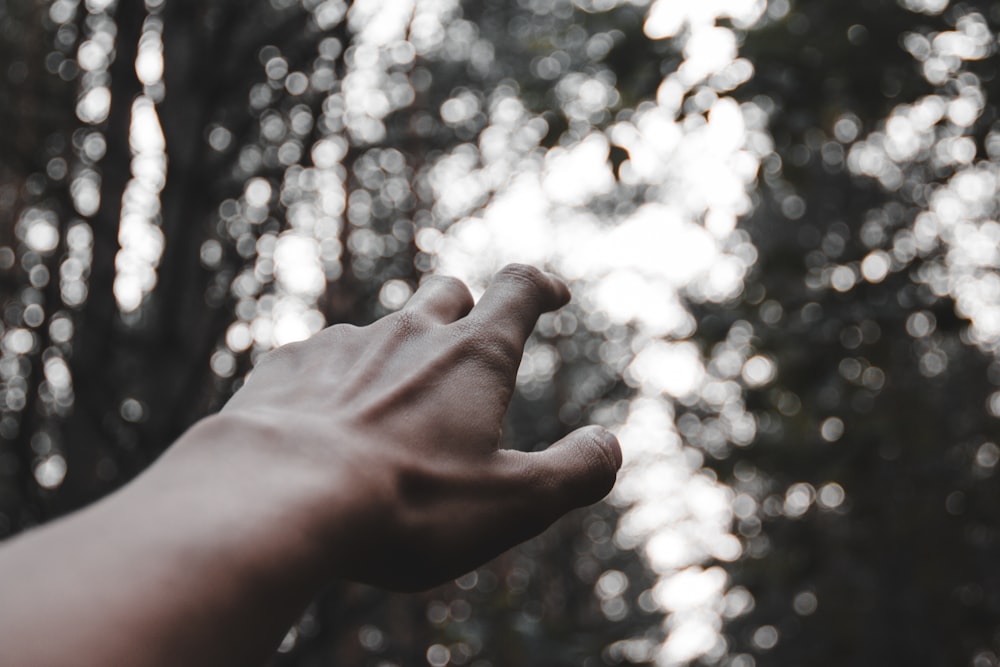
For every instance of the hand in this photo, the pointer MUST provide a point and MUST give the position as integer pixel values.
(369, 454)
(396, 427)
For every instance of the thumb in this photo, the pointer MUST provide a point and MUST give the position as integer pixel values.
(580, 469)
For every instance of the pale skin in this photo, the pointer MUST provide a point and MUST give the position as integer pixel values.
(366, 454)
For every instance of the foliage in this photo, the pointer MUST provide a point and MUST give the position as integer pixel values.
(867, 506)
(193, 183)
(234, 178)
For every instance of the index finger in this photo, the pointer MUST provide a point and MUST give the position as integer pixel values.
(516, 298)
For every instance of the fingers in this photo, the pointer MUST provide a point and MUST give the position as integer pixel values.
(443, 298)
(515, 299)
(527, 492)
(578, 470)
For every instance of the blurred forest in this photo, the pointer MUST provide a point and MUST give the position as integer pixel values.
(778, 218)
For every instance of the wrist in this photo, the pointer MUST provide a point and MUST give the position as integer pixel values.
(204, 559)
(234, 474)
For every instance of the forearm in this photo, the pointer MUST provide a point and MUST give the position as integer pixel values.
(341, 456)
(176, 568)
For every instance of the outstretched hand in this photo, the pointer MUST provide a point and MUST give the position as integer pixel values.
(369, 454)
(400, 422)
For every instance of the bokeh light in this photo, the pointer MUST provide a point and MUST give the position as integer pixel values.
(734, 322)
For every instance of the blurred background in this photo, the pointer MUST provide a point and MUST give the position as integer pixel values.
(778, 219)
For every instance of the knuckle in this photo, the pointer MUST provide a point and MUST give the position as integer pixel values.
(493, 350)
(455, 288)
(410, 323)
(337, 333)
(448, 282)
(498, 357)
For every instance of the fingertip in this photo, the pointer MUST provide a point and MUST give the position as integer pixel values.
(549, 288)
(586, 464)
(613, 445)
(607, 443)
(560, 289)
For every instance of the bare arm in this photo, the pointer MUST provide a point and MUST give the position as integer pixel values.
(369, 454)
